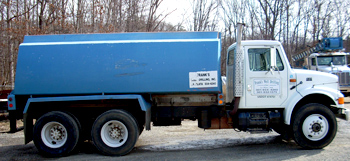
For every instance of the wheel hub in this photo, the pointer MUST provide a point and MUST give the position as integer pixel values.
(54, 134)
(57, 133)
(114, 133)
(315, 127)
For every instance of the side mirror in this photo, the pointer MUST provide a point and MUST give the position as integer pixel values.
(273, 57)
(332, 66)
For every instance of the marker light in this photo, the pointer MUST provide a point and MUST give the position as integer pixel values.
(341, 100)
(292, 80)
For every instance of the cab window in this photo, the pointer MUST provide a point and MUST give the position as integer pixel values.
(231, 54)
(313, 61)
(259, 59)
(279, 62)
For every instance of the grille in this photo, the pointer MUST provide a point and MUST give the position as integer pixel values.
(344, 78)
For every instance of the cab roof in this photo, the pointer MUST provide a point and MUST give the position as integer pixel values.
(257, 43)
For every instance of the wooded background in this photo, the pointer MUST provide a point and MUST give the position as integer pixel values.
(296, 23)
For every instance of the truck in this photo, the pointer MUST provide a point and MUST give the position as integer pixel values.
(335, 63)
(108, 88)
(328, 56)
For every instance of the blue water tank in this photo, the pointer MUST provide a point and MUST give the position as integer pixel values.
(183, 62)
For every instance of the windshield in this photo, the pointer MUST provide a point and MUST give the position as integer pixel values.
(327, 60)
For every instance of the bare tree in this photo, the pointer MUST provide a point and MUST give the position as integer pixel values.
(31, 17)
(342, 16)
(296, 23)
(154, 20)
(203, 10)
(271, 10)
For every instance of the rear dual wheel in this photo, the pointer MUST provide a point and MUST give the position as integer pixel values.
(115, 132)
(56, 134)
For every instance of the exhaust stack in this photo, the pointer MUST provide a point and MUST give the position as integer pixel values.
(238, 71)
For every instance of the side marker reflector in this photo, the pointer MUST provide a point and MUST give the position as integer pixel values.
(292, 80)
(341, 100)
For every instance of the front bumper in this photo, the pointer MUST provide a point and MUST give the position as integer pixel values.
(345, 90)
(343, 113)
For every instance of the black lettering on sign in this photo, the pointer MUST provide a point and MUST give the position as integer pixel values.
(258, 91)
(274, 90)
(204, 79)
(265, 90)
(203, 74)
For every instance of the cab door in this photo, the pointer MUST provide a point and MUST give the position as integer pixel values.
(266, 77)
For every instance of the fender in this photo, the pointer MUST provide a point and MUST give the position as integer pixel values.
(332, 93)
(145, 106)
(287, 113)
(297, 96)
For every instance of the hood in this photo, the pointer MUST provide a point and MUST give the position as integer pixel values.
(316, 76)
(314, 79)
(336, 69)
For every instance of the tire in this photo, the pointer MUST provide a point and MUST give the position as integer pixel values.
(115, 132)
(279, 129)
(284, 131)
(81, 136)
(55, 134)
(75, 119)
(141, 127)
(314, 126)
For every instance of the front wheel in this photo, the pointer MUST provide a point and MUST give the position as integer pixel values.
(115, 132)
(314, 126)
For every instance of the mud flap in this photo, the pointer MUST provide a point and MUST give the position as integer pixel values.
(28, 128)
(148, 119)
(13, 121)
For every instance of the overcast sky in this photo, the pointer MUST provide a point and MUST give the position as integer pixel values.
(182, 8)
